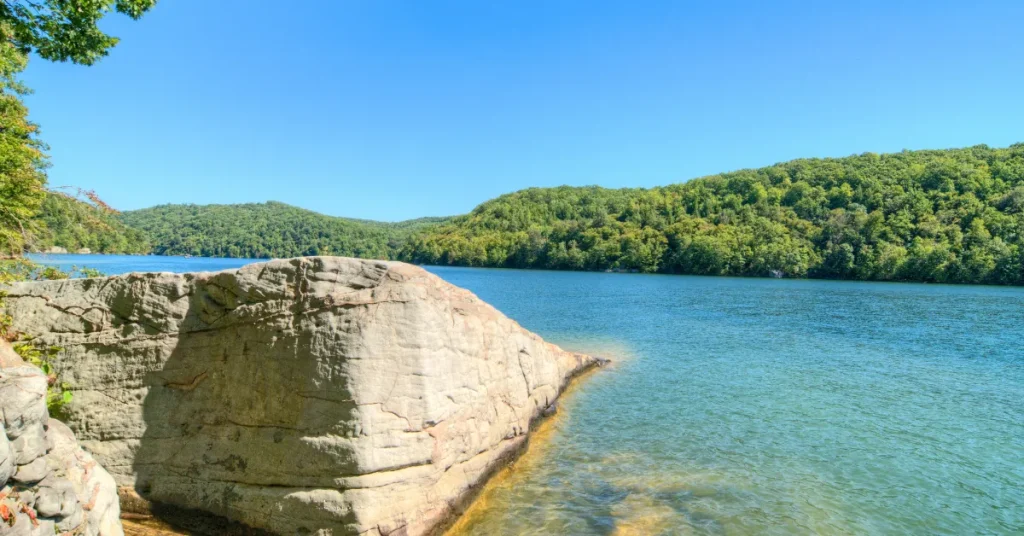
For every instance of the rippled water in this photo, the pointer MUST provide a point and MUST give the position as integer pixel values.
(749, 406)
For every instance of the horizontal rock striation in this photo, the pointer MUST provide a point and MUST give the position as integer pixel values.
(319, 395)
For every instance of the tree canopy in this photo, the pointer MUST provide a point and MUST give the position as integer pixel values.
(82, 221)
(953, 216)
(57, 30)
(62, 30)
(22, 160)
(266, 230)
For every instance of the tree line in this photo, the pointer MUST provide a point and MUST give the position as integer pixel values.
(266, 230)
(953, 216)
(84, 222)
(61, 31)
(950, 216)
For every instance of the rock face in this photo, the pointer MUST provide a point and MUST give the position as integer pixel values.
(319, 395)
(50, 485)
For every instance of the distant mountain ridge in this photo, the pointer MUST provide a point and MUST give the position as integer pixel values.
(952, 216)
(267, 230)
(72, 223)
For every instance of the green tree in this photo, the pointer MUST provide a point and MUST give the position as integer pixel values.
(22, 160)
(953, 215)
(56, 30)
(64, 30)
(275, 229)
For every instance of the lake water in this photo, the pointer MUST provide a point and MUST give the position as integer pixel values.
(756, 406)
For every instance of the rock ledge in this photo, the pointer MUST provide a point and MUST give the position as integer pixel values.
(49, 484)
(319, 395)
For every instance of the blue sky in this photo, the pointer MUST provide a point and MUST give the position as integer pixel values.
(392, 110)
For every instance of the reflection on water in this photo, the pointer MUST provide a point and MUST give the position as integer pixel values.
(743, 406)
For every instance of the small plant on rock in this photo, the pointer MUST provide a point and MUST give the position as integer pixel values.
(58, 394)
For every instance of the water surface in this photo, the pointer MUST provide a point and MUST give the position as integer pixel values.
(755, 406)
(119, 264)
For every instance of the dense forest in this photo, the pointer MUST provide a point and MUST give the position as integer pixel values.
(267, 230)
(939, 216)
(953, 216)
(76, 223)
(31, 216)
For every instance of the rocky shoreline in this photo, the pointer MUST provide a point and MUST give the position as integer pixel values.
(49, 484)
(318, 395)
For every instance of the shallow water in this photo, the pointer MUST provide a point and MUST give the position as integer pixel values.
(755, 406)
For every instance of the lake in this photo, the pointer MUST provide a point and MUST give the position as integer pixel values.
(756, 406)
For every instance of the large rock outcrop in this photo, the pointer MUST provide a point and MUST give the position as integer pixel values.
(49, 484)
(319, 395)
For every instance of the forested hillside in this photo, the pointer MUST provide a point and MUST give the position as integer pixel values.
(266, 230)
(939, 216)
(73, 224)
(31, 216)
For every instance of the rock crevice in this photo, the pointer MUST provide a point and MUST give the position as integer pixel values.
(48, 484)
(319, 395)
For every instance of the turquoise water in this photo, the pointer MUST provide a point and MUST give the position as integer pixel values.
(119, 264)
(755, 406)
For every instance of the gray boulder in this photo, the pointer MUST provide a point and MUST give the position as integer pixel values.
(48, 484)
(319, 395)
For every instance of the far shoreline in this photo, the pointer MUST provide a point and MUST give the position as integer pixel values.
(42, 258)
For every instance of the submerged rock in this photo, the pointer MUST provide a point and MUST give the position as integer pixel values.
(49, 484)
(307, 396)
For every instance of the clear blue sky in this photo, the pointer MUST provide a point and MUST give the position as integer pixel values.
(391, 110)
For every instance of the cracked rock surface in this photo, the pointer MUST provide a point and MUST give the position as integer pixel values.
(48, 484)
(320, 395)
